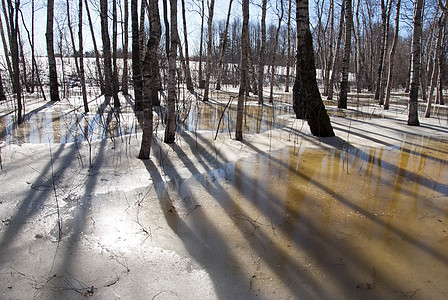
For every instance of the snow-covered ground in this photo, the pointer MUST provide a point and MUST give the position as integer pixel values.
(208, 219)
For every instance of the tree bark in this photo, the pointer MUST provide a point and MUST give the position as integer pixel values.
(81, 59)
(53, 75)
(208, 66)
(243, 71)
(136, 66)
(288, 50)
(391, 56)
(170, 133)
(383, 81)
(342, 102)
(201, 77)
(307, 100)
(125, 78)
(382, 43)
(415, 69)
(150, 83)
(262, 50)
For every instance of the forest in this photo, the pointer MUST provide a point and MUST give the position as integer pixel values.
(203, 149)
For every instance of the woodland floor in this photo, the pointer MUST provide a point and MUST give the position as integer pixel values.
(363, 215)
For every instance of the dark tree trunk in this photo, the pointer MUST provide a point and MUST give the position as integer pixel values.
(262, 50)
(243, 72)
(136, 66)
(150, 84)
(53, 75)
(124, 78)
(307, 100)
(170, 133)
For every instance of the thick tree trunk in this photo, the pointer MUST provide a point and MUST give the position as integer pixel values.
(223, 48)
(170, 133)
(150, 83)
(53, 75)
(307, 100)
(208, 66)
(262, 50)
(415, 69)
(243, 71)
(342, 102)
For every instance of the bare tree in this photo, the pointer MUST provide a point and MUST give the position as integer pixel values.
(382, 47)
(170, 133)
(76, 53)
(274, 50)
(391, 56)
(95, 48)
(125, 29)
(307, 100)
(415, 69)
(288, 49)
(243, 72)
(190, 86)
(262, 50)
(81, 59)
(111, 89)
(53, 75)
(335, 60)
(223, 48)
(2, 90)
(150, 71)
(342, 102)
(208, 65)
(13, 17)
(136, 66)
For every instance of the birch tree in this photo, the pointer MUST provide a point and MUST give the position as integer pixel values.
(415, 66)
(342, 102)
